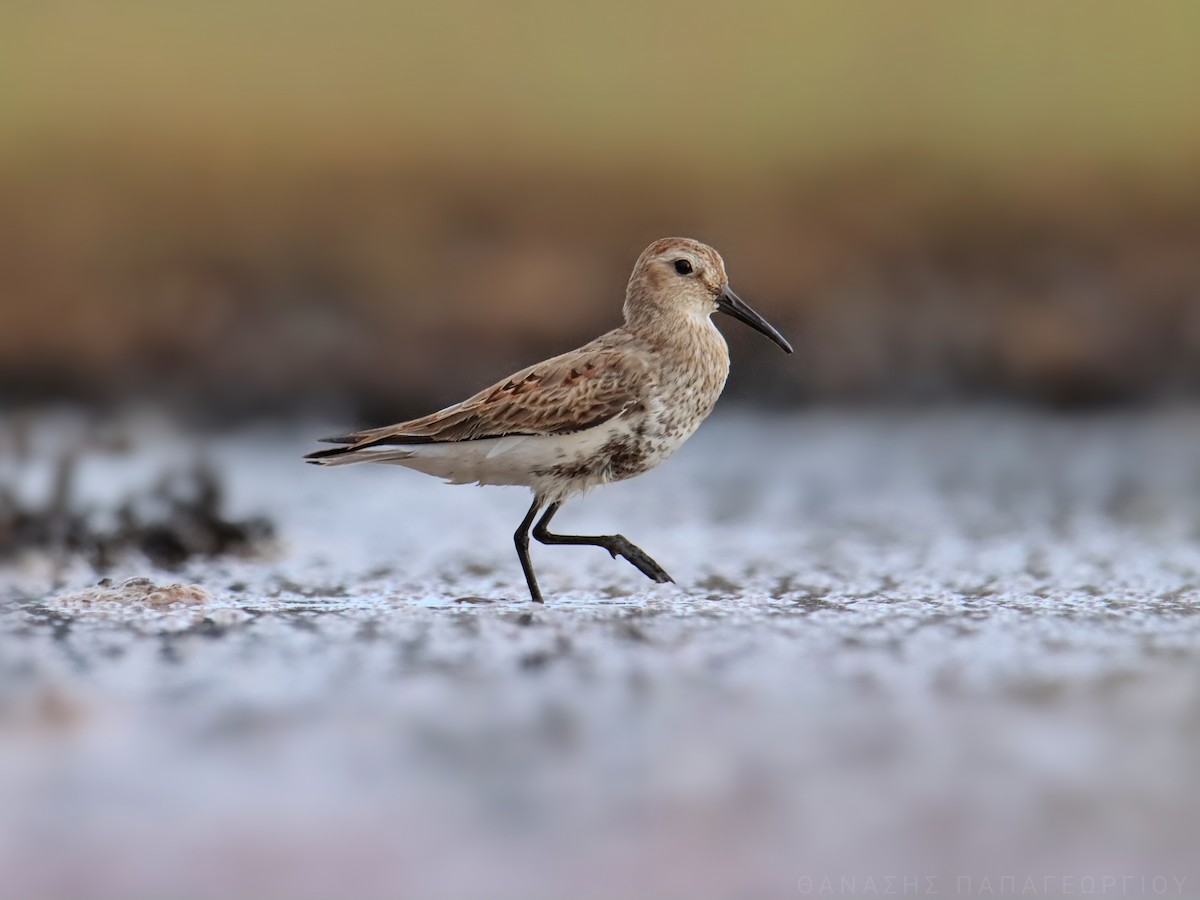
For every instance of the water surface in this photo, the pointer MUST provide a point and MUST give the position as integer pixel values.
(899, 643)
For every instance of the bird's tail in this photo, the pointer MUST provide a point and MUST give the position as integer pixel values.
(337, 456)
(342, 456)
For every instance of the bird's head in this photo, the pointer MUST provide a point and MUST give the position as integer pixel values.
(680, 277)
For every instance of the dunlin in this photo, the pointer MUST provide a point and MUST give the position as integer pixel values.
(614, 408)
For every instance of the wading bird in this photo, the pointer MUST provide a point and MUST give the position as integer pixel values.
(616, 407)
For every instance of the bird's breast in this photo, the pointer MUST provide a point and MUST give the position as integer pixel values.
(684, 394)
(690, 381)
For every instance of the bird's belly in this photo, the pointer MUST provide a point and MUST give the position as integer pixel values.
(618, 449)
(622, 448)
(513, 460)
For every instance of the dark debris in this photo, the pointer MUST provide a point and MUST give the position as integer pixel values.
(177, 518)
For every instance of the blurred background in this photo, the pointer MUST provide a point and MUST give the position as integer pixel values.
(938, 600)
(263, 206)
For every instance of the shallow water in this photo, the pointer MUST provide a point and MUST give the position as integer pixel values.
(925, 645)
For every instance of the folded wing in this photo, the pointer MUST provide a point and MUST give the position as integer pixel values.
(563, 395)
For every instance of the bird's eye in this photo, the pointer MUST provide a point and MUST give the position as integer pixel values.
(683, 267)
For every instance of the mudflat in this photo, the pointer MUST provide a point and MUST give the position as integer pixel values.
(901, 643)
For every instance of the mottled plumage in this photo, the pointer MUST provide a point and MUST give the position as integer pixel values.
(614, 408)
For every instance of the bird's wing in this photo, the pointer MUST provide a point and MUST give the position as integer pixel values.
(567, 393)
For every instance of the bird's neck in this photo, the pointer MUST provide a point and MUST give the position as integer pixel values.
(686, 336)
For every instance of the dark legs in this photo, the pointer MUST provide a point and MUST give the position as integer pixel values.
(521, 539)
(616, 544)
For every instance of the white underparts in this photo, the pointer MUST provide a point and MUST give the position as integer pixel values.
(528, 460)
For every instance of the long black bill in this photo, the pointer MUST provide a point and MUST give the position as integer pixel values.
(731, 303)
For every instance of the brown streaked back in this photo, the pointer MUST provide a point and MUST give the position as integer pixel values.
(565, 394)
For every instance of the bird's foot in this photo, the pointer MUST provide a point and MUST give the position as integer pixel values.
(622, 546)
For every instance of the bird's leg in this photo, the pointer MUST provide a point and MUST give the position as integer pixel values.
(616, 544)
(521, 539)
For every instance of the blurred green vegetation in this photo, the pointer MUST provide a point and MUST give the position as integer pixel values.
(698, 83)
(271, 202)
